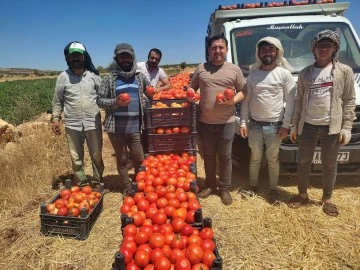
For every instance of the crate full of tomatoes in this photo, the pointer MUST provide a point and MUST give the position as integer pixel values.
(170, 112)
(72, 212)
(173, 245)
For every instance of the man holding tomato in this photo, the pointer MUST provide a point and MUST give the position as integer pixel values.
(75, 94)
(122, 95)
(217, 117)
(263, 117)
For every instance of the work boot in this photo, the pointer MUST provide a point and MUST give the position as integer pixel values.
(206, 192)
(274, 196)
(225, 197)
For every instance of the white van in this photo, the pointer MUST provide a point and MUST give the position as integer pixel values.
(294, 25)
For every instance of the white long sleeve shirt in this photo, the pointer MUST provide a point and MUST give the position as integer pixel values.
(267, 92)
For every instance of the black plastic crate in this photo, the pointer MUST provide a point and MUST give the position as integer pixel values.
(66, 226)
(119, 260)
(172, 142)
(165, 117)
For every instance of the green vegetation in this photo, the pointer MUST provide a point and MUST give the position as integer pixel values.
(22, 100)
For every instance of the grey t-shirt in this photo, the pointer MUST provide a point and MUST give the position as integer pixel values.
(212, 80)
(321, 85)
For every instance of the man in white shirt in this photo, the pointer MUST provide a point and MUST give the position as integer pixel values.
(263, 116)
(153, 72)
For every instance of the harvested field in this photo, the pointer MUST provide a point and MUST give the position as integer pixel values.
(250, 234)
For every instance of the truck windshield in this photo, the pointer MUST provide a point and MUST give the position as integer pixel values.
(296, 41)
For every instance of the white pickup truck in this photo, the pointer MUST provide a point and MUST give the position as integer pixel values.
(294, 24)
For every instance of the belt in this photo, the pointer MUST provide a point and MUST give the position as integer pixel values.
(262, 123)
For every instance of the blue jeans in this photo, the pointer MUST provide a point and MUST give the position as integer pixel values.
(76, 140)
(329, 152)
(119, 143)
(258, 136)
(216, 140)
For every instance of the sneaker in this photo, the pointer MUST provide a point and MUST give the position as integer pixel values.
(250, 191)
(225, 197)
(206, 192)
(274, 196)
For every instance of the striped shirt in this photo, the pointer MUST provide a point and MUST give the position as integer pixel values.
(107, 98)
(127, 118)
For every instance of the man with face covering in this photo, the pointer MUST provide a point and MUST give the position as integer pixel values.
(324, 111)
(124, 117)
(75, 94)
(264, 119)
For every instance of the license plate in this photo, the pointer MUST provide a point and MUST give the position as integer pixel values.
(342, 157)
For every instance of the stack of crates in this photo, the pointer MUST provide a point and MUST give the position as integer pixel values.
(168, 115)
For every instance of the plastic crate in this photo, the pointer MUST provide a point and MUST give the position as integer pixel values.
(119, 260)
(165, 117)
(75, 227)
(172, 142)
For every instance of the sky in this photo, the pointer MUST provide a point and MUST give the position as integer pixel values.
(33, 33)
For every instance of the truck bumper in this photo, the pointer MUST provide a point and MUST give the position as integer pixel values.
(288, 158)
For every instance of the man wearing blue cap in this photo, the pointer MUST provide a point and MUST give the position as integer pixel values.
(75, 95)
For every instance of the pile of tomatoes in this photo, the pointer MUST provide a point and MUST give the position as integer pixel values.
(162, 235)
(178, 82)
(72, 200)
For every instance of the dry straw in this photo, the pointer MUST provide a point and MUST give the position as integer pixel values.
(250, 234)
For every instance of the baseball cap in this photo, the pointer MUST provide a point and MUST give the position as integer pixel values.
(124, 48)
(76, 47)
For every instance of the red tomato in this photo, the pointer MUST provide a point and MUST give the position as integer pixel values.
(179, 213)
(142, 204)
(194, 254)
(162, 263)
(138, 219)
(74, 212)
(65, 193)
(130, 229)
(155, 254)
(159, 218)
(166, 229)
(167, 250)
(151, 197)
(62, 211)
(141, 238)
(129, 245)
(194, 239)
(138, 196)
(145, 247)
(132, 266)
(179, 242)
(125, 209)
(187, 230)
(208, 244)
(124, 97)
(151, 211)
(219, 97)
(169, 210)
(200, 266)
(60, 203)
(128, 200)
(208, 258)
(156, 240)
(176, 254)
(160, 191)
(86, 189)
(228, 93)
(190, 93)
(146, 228)
(182, 264)
(128, 255)
(149, 267)
(174, 202)
(141, 258)
(161, 203)
(178, 224)
(206, 233)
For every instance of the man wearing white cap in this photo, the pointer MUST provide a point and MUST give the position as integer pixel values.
(264, 118)
(75, 95)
